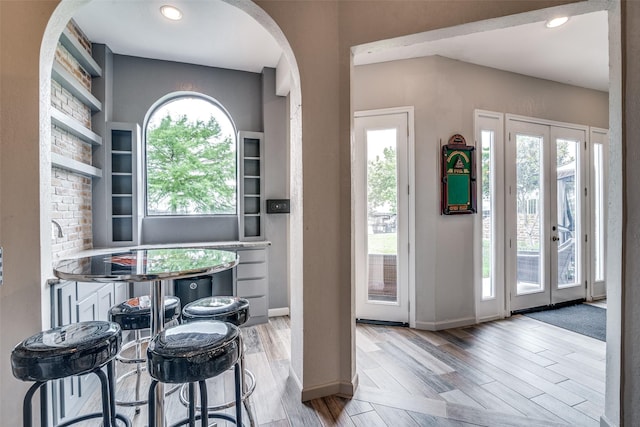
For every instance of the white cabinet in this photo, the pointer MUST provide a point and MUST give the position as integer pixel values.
(78, 302)
(252, 283)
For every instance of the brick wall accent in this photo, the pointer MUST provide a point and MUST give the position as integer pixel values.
(70, 192)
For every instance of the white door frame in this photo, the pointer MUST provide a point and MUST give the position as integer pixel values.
(409, 111)
(597, 288)
(494, 307)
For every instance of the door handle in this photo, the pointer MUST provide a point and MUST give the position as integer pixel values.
(555, 238)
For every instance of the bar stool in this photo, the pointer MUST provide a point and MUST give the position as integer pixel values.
(135, 315)
(229, 309)
(75, 349)
(194, 352)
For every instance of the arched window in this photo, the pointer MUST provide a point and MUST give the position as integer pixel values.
(190, 159)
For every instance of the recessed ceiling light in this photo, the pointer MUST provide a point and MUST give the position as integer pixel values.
(556, 22)
(171, 12)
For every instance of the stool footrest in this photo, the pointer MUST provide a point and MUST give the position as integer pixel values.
(86, 417)
(198, 417)
(252, 385)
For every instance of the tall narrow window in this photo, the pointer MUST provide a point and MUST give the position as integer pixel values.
(488, 186)
(568, 211)
(382, 202)
(598, 167)
(529, 191)
(190, 159)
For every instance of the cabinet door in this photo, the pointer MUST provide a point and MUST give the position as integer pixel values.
(87, 311)
(65, 304)
(66, 394)
(121, 292)
(106, 299)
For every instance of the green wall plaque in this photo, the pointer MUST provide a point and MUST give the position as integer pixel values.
(458, 177)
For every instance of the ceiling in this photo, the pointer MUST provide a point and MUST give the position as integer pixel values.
(214, 33)
(576, 53)
(211, 33)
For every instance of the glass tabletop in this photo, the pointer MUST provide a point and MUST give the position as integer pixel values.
(145, 265)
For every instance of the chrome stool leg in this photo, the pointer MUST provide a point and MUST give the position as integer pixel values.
(246, 388)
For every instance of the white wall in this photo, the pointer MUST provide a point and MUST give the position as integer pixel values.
(445, 92)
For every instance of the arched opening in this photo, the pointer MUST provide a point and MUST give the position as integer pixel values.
(59, 19)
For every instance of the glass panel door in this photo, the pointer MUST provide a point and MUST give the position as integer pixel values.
(381, 218)
(546, 200)
(527, 220)
(567, 225)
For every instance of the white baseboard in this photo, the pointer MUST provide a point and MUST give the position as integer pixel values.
(604, 422)
(276, 312)
(489, 318)
(340, 388)
(446, 324)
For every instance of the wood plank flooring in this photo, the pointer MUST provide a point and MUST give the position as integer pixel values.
(514, 372)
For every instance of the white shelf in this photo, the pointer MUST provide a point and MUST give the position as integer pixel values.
(67, 81)
(74, 127)
(80, 54)
(75, 166)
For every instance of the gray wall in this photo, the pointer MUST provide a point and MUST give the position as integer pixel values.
(276, 186)
(445, 93)
(139, 83)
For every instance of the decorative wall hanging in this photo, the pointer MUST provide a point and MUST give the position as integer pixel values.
(458, 174)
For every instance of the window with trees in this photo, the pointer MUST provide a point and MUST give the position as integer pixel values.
(190, 159)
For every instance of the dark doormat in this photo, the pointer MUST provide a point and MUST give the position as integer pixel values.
(584, 319)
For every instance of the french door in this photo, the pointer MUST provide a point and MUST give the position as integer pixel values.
(381, 216)
(545, 205)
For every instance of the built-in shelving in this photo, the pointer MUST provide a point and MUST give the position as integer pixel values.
(74, 127)
(75, 166)
(251, 220)
(67, 81)
(80, 53)
(123, 186)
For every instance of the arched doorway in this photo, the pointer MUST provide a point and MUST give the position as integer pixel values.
(60, 17)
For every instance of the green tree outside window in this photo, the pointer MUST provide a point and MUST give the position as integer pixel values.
(191, 165)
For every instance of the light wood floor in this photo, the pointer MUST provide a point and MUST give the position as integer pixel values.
(514, 372)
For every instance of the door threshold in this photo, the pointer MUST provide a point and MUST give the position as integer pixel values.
(382, 322)
(549, 307)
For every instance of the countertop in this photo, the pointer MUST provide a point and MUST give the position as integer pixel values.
(209, 245)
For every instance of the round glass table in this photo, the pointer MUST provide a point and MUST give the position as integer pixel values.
(156, 266)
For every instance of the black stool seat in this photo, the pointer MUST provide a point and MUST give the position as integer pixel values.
(135, 313)
(64, 351)
(226, 309)
(193, 352)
